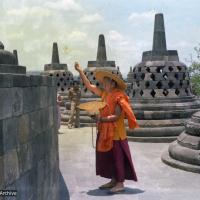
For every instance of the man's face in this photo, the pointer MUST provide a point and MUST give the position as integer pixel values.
(107, 84)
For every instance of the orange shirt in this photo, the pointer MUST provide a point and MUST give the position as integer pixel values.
(110, 131)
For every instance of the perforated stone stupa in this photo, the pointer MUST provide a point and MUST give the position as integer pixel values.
(161, 91)
(64, 78)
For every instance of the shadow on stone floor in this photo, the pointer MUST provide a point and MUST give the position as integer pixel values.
(128, 191)
(63, 191)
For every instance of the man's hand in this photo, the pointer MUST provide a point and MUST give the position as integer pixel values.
(77, 67)
(96, 118)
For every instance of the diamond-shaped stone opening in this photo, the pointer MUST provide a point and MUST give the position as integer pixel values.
(148, 69)
(64, 74)
(134, 76)
(153, 93)
(65, 84)
(187, 91)
(57, 75)
(171, 84)
(91, 73)
(153, 77)
(176, 76)
(170, 68)
(97, 84)
(94, 78)
(68, 88)
(143, 76)
(50, 74)
(188, 82)
(141, 92)
(139, 69)
(61, 79)
(138, 83)
(181, 83)
(62, 89)
(165, 92)
(58, 84)
(85, 90)
(159, 69)
(179, 68)
(159, 85)
(177, 92)
(85, 73)
(165, 76)
(147, 84)
(184, 76)
(133, 94)
(131, 85)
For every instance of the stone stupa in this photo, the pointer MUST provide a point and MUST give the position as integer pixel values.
(100, 63)
(184, 153)
(9, 62)
(161, 92)
(64, 78)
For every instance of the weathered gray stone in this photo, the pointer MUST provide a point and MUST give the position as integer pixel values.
(24, 128)
(11, 69)
(44, 96)
(160, 90)
(1, 172)
(31, 99)
(17, 104)
(21, 81)
(185, 152)
(11, 167)
(6, 80)
(5, 103)
(25, 158)
(10, 131)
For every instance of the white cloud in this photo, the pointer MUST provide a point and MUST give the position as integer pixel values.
(91, 18)
(68, 5)
(29, 11)
(143, 16)
(77, 36)
(114, 35)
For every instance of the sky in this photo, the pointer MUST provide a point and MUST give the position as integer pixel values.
(31, 27)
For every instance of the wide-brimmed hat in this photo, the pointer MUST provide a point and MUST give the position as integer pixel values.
(92, 107)
(101, 74)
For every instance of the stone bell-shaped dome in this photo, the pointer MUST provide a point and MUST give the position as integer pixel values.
(64, 78)
(7, 57)
(9, 62)
(161, 90)
(185, 152)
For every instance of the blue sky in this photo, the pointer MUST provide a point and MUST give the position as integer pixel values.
(31, 26)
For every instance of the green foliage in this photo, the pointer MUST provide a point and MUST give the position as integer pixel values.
(194, 70)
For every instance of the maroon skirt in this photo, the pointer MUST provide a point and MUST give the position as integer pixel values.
(116, 163)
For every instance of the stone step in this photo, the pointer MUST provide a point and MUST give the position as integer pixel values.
(172, 131)
(152, 139)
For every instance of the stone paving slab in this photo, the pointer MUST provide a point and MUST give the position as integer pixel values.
(157, 181)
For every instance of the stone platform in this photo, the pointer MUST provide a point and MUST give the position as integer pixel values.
(157, 181)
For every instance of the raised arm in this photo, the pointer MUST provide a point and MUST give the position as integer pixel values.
(87, 83)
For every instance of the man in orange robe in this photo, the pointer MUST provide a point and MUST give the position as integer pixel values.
(113, 158)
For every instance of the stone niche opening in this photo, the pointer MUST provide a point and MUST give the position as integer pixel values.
(153, 93)
(147, 84)
(165, 92)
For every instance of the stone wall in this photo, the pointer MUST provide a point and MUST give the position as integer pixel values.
(29, 161)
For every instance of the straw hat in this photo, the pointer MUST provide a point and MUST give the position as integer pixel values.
(92, 107)
(100, 74)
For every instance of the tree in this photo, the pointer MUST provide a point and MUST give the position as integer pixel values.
(194, 70)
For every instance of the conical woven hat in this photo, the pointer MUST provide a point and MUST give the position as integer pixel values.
(92, 107)
(100, 74)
